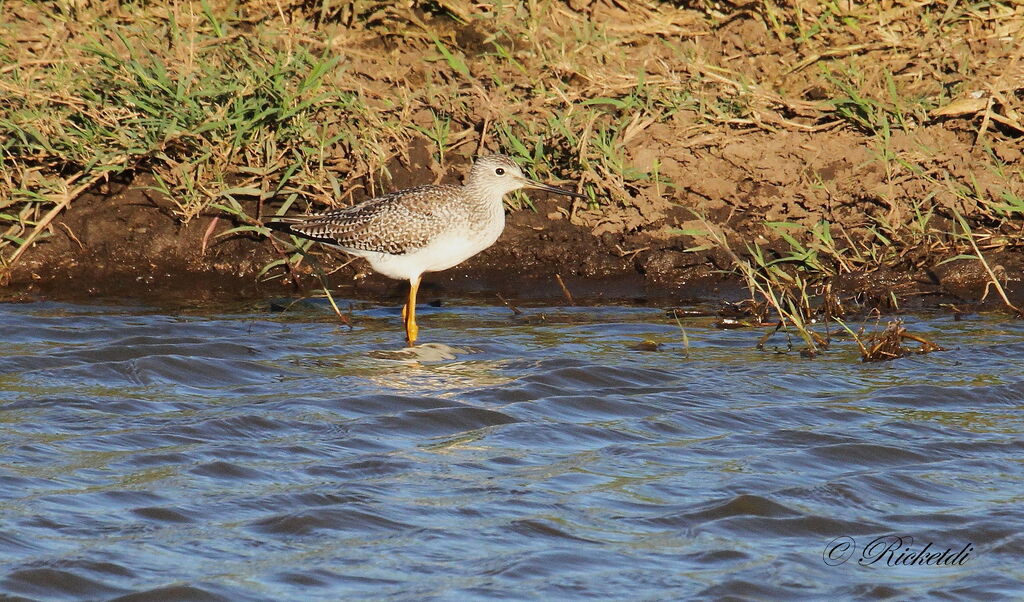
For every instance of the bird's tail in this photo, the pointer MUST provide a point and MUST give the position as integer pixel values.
(282, 224)
(294, 225)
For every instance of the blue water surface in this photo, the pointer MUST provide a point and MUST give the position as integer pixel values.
(240, 453)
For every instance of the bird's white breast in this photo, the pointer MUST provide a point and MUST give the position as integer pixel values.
(444, 251)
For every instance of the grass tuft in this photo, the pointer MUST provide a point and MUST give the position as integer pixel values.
(232, 107)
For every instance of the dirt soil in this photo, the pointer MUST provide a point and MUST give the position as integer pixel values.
(122, 239)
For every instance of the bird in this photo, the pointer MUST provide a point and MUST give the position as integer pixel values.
(412, 231)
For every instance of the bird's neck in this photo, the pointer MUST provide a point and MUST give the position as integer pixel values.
(486, 199)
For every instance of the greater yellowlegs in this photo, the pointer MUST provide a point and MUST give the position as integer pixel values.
(426, 228)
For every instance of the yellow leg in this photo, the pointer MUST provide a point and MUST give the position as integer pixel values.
(409, 313)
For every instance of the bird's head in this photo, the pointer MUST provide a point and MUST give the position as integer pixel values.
(493, 173)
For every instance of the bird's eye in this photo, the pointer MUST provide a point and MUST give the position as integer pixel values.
(500, 171)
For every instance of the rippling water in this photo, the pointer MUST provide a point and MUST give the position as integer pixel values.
(246, 455)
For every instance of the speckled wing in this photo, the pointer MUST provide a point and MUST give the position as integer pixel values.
(396, 223)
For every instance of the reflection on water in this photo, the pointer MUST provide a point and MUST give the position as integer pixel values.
(248, 455)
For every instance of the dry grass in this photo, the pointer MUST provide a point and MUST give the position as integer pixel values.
(888, 344)
(231, 103)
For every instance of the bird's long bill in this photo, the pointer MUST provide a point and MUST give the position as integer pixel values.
(528, 183)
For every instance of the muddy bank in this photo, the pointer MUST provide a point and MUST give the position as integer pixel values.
(122, 240)
(822, 146)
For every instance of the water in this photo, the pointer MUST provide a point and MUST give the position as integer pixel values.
(248, 455)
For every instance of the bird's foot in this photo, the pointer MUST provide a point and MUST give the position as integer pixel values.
(411, 333)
